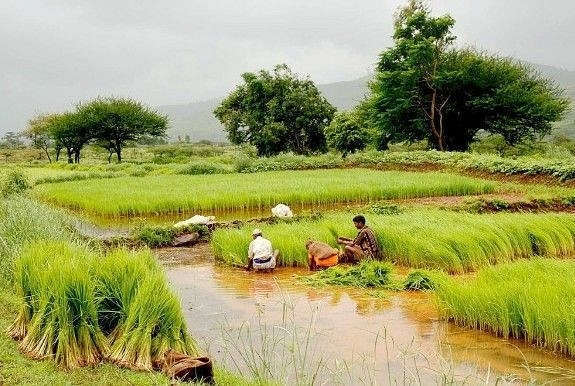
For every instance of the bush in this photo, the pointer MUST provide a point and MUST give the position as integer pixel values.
(15, 183)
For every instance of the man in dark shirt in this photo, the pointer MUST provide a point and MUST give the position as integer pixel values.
(364, 245)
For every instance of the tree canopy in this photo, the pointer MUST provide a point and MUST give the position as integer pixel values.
(424, 88)
(115, 121)
(346, 134)
(276, 112)
(109, 122)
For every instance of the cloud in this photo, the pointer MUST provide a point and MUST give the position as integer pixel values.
(58, 53)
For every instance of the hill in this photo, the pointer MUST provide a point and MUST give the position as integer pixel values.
(197, 121)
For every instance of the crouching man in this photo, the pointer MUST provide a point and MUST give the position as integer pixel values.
(321, 255)
(261, 255)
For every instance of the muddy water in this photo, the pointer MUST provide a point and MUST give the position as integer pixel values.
(276, 325)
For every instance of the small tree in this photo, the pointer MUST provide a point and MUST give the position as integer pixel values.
(345, 133)
(115, 121)
(38, 131)
(70, 133)
(275, 113)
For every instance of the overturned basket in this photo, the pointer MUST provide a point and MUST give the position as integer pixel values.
(187, 368)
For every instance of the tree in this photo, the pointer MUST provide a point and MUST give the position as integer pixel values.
(276, 112)
(115, 121)
(426, 89)
(38, 131)
(345, 133)
(69, 132)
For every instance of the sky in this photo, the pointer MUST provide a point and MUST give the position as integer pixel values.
(58, 53)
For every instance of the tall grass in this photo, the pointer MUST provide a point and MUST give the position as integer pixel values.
(216, 193)
(432, 239)
(23, 221)
(529, 299)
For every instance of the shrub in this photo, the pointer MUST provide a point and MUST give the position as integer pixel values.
(15, 183)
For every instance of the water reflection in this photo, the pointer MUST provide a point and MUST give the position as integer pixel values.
(352, 337)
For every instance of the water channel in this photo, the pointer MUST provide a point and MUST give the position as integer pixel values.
(273, 325)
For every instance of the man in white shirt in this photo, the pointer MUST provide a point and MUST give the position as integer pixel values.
(261, 254)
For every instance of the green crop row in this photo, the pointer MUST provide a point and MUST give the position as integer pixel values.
(434, 239)
(217, 193)
(531, 299)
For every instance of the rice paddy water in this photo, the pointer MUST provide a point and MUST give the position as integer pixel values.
(275, 327)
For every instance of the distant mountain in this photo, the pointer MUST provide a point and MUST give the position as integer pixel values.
(197, 120)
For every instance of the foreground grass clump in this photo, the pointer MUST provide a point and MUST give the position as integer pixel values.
(78, 308)
(431, 239)
(215, 193)
(531, 300)
(22, 221)
(366, 274)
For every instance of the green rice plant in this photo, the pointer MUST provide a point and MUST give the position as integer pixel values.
(423, 280)
(28, 268)
(118, 276)
(421, 238)
(64, 325)
(366, 274)
(154, 324)
(166, 194)
(529, 299)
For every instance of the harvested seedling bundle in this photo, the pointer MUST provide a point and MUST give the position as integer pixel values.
(64, 325)
(154, 324)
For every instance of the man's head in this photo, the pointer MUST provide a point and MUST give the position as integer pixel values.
(359, 221)
(256, 232)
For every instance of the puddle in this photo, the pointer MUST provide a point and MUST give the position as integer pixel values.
(275, 325)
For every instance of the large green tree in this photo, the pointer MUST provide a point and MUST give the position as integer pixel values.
(276, 112)
(113, 122)
(424, 88)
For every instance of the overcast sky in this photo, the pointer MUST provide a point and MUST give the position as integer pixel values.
(56, 53)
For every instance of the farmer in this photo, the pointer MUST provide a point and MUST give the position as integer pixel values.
(364, 245)
(261, 255)
(321, 255)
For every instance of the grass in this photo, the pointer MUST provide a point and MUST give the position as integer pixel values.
(530, 299)
(216, 193)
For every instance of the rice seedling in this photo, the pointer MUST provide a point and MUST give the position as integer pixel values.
(423, 280)
(424, 238)
(366, 274)
(218, 193)
(154, 324)
(64, 325)
(528, 299)
(117, 279)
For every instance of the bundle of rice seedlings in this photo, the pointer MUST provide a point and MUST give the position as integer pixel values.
(65, 326)
(366, 274)
(154, 325)
(118, 276)
(423, 280)
(27, 286)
